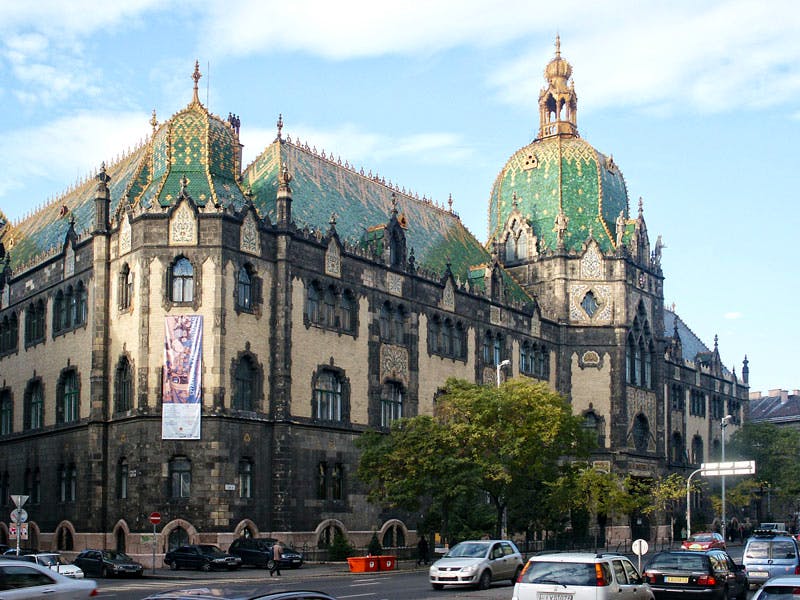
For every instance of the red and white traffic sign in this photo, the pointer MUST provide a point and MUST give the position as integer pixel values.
(155, 518)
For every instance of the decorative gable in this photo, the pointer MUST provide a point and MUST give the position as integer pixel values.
(183, 226)
(124, 235)
(592, 262)
(448, 301)
(249, 238)
(333, 259)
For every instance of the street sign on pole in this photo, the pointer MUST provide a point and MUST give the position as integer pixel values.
(19, 515)
(741, 467)
(19, 500)
(155, 518)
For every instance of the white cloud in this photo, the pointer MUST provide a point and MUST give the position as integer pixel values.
(63, 150)
(732, 316)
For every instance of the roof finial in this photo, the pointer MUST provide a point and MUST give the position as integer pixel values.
(196, 76)
(641, 207)
(394, 203)
(332, 221)
(716, 342)
(450, 202)
(558, 46)
(154, 121)
(514, 202)
(280, 127)
(184, 184)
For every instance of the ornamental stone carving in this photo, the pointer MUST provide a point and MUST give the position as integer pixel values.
(124, 235)
(69, 262)
(394, 363)
(495, 315)
(333, 259)
(249, 238)
(394, 283)
(448, 297)
(183, 226)
(602, 294)
(592, 263)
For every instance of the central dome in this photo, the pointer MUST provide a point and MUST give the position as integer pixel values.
(559, 175)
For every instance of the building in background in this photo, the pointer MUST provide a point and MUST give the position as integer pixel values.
(206, 340)
(780, 407)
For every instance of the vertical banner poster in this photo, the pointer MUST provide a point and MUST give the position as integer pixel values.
(181, 403)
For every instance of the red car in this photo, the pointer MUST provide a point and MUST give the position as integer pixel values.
(704, 541)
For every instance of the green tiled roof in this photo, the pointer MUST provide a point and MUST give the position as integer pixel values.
(564, 172)
(321, 187)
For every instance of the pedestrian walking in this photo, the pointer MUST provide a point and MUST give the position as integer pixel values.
(276, 559)
(422, 551)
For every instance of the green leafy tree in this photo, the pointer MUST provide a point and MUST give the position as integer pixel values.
(667, 495)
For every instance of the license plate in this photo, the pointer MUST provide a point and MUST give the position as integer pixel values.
(553, 596)
(758, 574)
(673, 579)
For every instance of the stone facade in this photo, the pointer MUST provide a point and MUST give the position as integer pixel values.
(318, 327)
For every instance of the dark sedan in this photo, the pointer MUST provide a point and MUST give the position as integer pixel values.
(107, 563)
(201, 556)
(696, 575)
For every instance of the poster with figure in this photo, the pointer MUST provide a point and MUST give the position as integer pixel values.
(181, 402)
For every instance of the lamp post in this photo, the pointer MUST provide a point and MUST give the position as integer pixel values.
(723, 424)
(504, 524)
(689, 503)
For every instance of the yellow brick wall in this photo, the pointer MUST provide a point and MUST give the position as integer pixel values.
(591, 385)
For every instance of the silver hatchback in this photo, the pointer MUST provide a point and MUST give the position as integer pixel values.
(477, 563)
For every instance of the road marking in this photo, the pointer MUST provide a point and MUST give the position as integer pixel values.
(365, 583)
(356, 596)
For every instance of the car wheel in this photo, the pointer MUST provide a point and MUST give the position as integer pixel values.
(485, 580)
(206, 567)
(437, 586)
(271, 564)
(173, 565)
(516, 575)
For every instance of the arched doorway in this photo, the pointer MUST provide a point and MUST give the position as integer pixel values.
(177, 537)
(119, 539)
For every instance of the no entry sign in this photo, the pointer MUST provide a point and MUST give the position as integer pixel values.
(155, 518)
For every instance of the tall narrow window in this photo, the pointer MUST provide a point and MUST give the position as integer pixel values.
(486, 348)
(498, 349)
(9, 334)
(36, 486)
(72, 483)
(347, 312)
(385, 322)
(180, 476)
(434, 331)
(125, 287)
(78, 306)
(524, 361)
(641, 433)
(6, 413)
(391, 403)
(337, 482)
(244, 393)
(648, 366)
(182, 280)
(123, 386)
(245, 289)
(245, 478)
(62, 483)
(33, 414)
(312, 303)
(122, 479)
(459, 341)
(399, 325)
(329, 308)
(637, 364)
(328, 396)
(59, 312)
(67, 407)
(322, 481)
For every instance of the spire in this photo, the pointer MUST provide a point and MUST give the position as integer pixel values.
(558, 103)
(102, 201)
(280, 127)
(196, 76)
(154, 121)
(284, 198)
(746, 371)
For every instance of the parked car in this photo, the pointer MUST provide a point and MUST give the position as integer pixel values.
(21, 580)
(477, 563)
(580, 576)
(779, 588)
(704, 541)
(238, 592)
(107, 563)
(768, 554)
(51, 560)
(201, 556)
(692, 574)
(258, 552)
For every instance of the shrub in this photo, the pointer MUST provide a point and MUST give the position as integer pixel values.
(340, 548)
(374, 548)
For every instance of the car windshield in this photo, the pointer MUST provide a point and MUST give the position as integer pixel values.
(468, 549)
(679, 562)
(114, 555)
(761, 549)
(778, 592)
(562, 573)
(209, 549)
(48, 560)
(703, 537)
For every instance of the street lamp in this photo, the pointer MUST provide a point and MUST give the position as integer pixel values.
(723, 424)
(505, 363)
(689, 503)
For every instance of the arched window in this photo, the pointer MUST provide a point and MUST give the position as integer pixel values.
(312, 303)
(589, 303)
(638, 350)
(447, 337)
(244, 289)
(180, 477)
(459, 341)
(33, 406)
(648, 365)
(34, 323)
(81, 305)
(522, 246)
(329, 308)
(67, 482)
(697, 450)
(641, 433)
(59, 312)
(629, 368)
(434, 331)
(399, 325)
(72, 310)
(9, 334)
(499, 349)
(543, 363)
(385, 321)
(123, 386)
(67, 405)
(6, 415)
(391, 403)
(337, 482)
(486, 348)
(328, 394)
(347, 312)
(322, 481)
(125, 287)
(676, 449)
(182, 280)
(122, 478)
(511, 253)
(524, 358)
(245, 478)
(245, 384)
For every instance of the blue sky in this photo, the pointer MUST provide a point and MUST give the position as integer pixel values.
(698, 102)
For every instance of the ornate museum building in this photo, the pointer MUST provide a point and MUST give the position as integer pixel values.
(189, 335)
